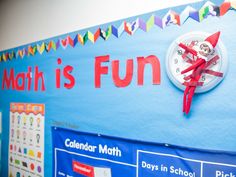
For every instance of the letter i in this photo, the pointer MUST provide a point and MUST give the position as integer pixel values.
(58, 74)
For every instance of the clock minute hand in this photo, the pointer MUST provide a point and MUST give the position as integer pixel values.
(188, 49)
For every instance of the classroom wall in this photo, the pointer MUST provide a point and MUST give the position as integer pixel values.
(89, 109)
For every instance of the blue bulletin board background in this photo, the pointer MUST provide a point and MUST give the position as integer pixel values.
(149, 112)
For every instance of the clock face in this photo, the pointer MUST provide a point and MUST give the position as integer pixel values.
(175, 62)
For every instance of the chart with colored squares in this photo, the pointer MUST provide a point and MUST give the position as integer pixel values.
(26, 140)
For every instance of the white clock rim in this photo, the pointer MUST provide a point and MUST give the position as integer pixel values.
(212, 84)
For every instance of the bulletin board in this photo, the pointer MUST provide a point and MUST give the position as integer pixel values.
(119, 80)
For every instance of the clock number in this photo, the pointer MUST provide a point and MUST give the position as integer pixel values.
(176, 61)
(196, 42)
(213, 52)
(180, 52)
(177, 70)
(203, 77)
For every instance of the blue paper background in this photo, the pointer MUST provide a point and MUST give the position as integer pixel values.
(148, 112)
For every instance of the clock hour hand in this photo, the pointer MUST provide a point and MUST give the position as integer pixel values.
(194, 65)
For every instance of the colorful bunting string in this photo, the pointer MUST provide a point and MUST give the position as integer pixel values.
(171, 17)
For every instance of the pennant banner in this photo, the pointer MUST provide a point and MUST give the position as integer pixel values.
(171, 17)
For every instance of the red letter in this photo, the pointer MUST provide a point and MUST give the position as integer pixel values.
(156, 70)
(66, 72)
(38, 75)
(17, 82)
(115, 73)
(99, 69)
(58, 74)
(8, 81)
(28, 76)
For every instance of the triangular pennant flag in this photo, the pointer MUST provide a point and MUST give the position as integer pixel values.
(185, 14)
(130, 28)
(4, 56)
(205, 10)
(53, 45)
(41, 48)
(121, 29)
(213, 9)
(170, 18)
(48, 46)
(30, 50)
(80, 39)
(114, 31)
(142, 25)
(11, 55)
(70, 41)
(158, 21)
(105, 34)
(90, 36)
(64, 43)
(35, 49)
(150, 23)
(97, 34)
(85, 38)
(21, 53)
(224, 8)
(194, 14)
(76, 40)
(118, 31)
(26, 52)
(58, 44)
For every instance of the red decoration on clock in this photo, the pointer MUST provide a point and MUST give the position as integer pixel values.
(199, 64)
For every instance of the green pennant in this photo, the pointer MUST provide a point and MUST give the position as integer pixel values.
(150, 23)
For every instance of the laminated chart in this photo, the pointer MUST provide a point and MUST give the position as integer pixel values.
(81, 154)
(26, 140)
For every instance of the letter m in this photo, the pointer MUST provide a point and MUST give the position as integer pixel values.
(8, 81)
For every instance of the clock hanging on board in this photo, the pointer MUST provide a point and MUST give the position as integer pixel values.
(196, 62)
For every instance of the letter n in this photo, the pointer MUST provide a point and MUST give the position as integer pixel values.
(156, 70)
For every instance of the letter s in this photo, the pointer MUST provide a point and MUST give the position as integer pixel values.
(66, 72)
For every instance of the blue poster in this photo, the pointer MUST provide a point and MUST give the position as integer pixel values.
(80, 154)
(166, 76)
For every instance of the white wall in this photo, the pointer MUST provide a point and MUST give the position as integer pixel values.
(25, 21)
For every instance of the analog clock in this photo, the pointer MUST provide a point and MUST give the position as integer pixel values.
(175, 62)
